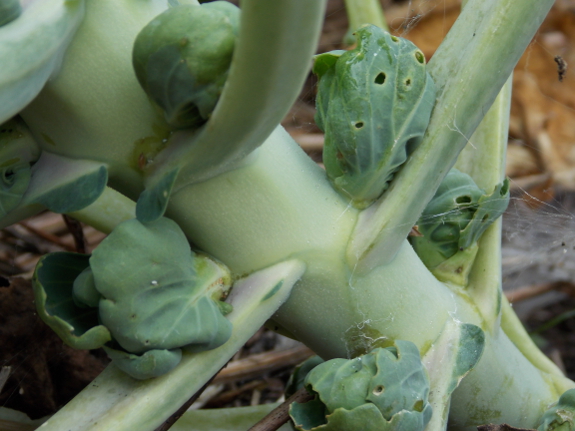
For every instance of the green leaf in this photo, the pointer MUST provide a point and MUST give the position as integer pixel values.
(153, 201)
(158, 294)
(374, 104)
(182, 58)
(152, 363)
(9, 11)
(18, 150)
(65, 185)
(560, 417)
(388, 385)
(53, 280)
(14, 180)
(456, 218)
(84, 290)
(31, 49)
(296, 380)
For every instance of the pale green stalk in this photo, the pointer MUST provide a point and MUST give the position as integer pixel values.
(489, 37)
(107, 212)
(483, 158)
(360, 12)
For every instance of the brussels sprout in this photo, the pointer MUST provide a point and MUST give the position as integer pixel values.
(182, 58)
(157, 293)
(560, 417)
(374, 104)
(143, 295)
(9, 11)
(456, 217)
(386, 389)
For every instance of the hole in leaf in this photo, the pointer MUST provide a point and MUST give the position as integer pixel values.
(380, 78)
(408, 82)
(419, 57)
(378, 390)
(466, 199)
(485, 217)
(358, 125)
(418, 406)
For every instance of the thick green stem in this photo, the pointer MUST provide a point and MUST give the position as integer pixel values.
(108, 211)
(289, 209)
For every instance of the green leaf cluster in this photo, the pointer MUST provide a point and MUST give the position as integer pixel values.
(182, 58)
(560, 417)
(386, 389)
(374, 103)
(456, 217)
(143, 287)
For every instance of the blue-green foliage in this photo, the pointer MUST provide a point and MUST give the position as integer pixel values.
(157, 293)
(374, 104)
(386, 389)
(456, 217)
(150, 292)
(182, 58)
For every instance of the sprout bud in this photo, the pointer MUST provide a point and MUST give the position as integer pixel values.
(456, 217)
(182, 57)
(386, 389)
(374, 103)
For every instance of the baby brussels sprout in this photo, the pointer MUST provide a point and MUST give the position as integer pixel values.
(374, 104)
(9, 11)
(560, 417)
(182, 57)
(456, 217)
(143, 295)
(157, 293)
(386, 389)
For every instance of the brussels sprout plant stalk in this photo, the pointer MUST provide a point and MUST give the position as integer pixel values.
(363, 12)
(360, 284)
